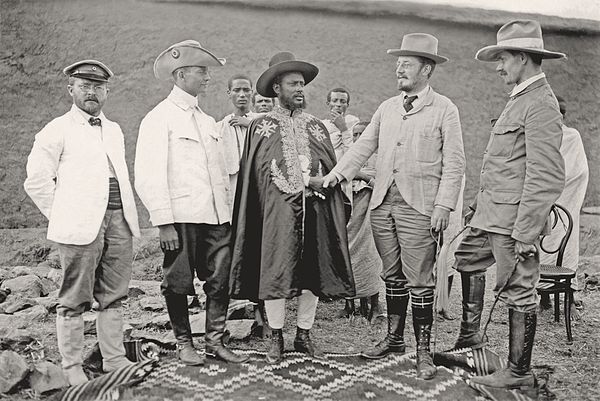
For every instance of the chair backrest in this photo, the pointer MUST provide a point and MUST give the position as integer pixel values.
(556, 213)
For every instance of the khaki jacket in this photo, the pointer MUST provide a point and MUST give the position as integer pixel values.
(420, 150)
(67, 177)
(523, 171)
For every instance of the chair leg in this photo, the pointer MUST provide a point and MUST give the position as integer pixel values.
(557, 307)
(568, 301)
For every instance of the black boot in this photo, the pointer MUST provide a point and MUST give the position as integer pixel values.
(397, 303)
(216, 314)
(177, 307)
(518, 374)
(275, 352)
(348, 310)
(375, 310)
(422, 309)
(303, 343)
(473, 288)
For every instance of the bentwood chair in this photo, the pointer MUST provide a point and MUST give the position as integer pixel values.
(556, 279)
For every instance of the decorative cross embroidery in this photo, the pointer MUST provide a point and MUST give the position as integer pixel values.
(266, 128)
(317, 132)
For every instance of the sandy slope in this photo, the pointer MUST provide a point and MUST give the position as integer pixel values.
(40, 38)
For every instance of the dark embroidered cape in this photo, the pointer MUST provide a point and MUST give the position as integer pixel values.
(285, 239)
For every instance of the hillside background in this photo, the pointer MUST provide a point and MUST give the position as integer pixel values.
(347, 40)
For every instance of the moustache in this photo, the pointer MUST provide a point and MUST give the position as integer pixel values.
(92, 98)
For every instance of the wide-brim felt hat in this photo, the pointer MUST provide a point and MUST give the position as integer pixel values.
(89, 69)
(421, 45)
(520, 35)
(281, 63)
(188, 53)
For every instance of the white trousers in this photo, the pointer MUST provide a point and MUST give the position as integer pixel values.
(307, 308)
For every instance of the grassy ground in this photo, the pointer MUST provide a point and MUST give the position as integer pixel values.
(576, 366)
(347, 40)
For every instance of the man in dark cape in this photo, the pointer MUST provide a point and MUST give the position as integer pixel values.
(289, 236)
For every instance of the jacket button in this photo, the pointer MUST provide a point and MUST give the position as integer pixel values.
(404, 117)
(395, 171)
(481, 189)
(399, 143)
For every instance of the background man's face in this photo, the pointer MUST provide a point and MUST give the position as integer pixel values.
(291, 91)
(240, 93)
(263, 104)
(338, 102)
(510, 67)
(357, 131)
(409, 73)
(88, 95)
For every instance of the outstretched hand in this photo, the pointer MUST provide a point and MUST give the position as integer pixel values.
(330, 180)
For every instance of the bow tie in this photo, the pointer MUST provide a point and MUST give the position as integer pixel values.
(95, 121)
(408, 102)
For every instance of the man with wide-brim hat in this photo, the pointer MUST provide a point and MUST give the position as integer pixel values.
(78, 178)
(420, 167)
(289, 234)
(521, 177)
(181, 177)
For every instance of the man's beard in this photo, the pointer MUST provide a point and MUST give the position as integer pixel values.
(289, 103)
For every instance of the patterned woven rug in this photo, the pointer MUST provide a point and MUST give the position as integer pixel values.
(159, 376)
(299, 377)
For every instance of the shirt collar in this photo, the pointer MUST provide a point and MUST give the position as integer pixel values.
(83, 117)
(183, 99)
(521, 87)
(421, 95)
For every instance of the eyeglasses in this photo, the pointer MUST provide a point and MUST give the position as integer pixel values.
(95, 88)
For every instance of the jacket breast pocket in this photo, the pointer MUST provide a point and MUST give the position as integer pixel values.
(429, 145)
(506, 197)
(503, 140)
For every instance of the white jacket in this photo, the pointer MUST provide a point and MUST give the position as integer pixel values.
(180, 172)
(67, 177)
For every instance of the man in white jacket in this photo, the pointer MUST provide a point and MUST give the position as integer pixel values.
(77, 177)
(182, 179)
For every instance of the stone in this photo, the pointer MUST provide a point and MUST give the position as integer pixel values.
(6, 273)
(11, 322)
(47, 376)
(198, 323)
(13, 369)
(152, 304)
(15, 303)
(149, 287)
(89, 323)
(28, 285)
(4, 293)
(240, 329)
(135, 292)
(55, 275)
(50, 303)
(36, 313)
(48, 286)
(159, 322)
(17, 340)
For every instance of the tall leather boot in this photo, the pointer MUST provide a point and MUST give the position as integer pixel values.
(275, 352)
(518, 374)
(303, 343)
(473, 288)
(216, 315)
(397, 303)
(69, 335)
(177, 306)
(109, 324)
(422, 309)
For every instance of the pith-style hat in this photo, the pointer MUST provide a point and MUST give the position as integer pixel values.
(184, 54)
(281, 63)
(89, 69)
(521, 35)
(419, 44)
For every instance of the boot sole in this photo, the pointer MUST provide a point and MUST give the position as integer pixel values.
(367, 356)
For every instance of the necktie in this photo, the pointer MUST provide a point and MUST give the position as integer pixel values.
(95, 121)
(408, 101)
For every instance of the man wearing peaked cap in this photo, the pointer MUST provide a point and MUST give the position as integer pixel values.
(182, 179)
(420, 168)
(521, 177)
(289, 235)
(77, 176)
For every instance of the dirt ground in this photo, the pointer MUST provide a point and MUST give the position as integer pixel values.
(40, 38)
(575, 366)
